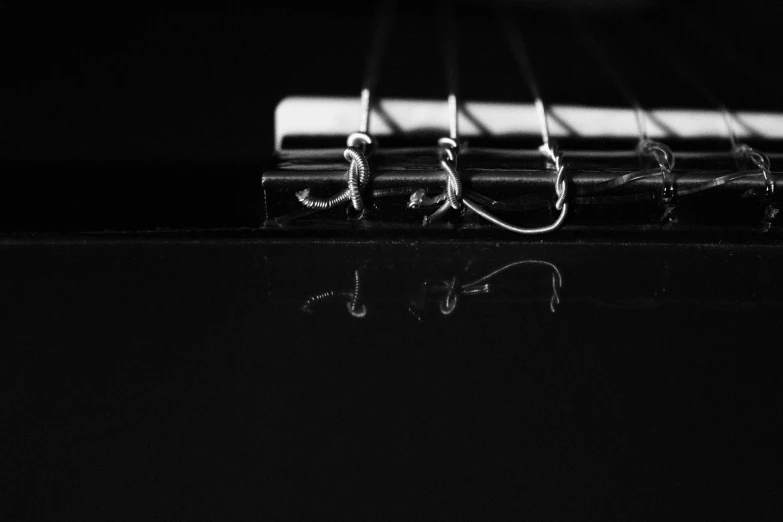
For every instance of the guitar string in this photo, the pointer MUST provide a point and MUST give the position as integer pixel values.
(646, 147)
(383, 22)
(533, 201)
(580, 28)
(660, 152)
(359, 144)
(547, 149)
(741, 151)
(455, 288)
(448, 37)
(518, 48)
(601, 56)
(449, 147)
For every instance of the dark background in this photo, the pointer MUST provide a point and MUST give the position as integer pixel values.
(178, 377)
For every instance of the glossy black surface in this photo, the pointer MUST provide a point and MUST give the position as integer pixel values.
(172, 379)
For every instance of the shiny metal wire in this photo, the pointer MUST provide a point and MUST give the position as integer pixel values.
(454, 289)
(561, 190)
(547, 149)
(355, 308)
(449, 302)
(742, 152)
(313, 299)
(353, 299)
(448, 163)
(664, 156)
(381, 27)
(557, 278)
(360, 144)
(646, 148)
(745, 153)
(747, 158)
(357, 177)
(449, 147)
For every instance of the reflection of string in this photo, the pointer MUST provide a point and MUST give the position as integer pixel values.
(557, 282)
(353, 298)
(453, 289)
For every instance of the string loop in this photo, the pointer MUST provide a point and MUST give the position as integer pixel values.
(455, 199)
(448, 163)
(556, 159)
(456, 288)
(664, 156)
(760, 160)
(357, 177)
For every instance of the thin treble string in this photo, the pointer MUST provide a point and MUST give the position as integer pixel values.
(660, 152)
(691, 78)
(383, 21)
(448, 31)
(740, 150)
(601, 56)
(519, 50)
(450, 149)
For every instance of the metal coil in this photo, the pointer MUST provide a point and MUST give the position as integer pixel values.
(353, 299)
(357, 177)
(322, 203)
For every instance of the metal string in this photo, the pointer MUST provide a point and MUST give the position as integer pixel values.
(453, 289)
(353, 299)
(448, 38)
(688, 76)
(359, 143)
(599, 54)
(450, 146)
(740, 150)
(519, 50)
(647, 147)
(382, 24)
(557, 278)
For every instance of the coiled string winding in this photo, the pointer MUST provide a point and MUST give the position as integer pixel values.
(449, 146)
(357, 177)
(455, 197)
(360, 143)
